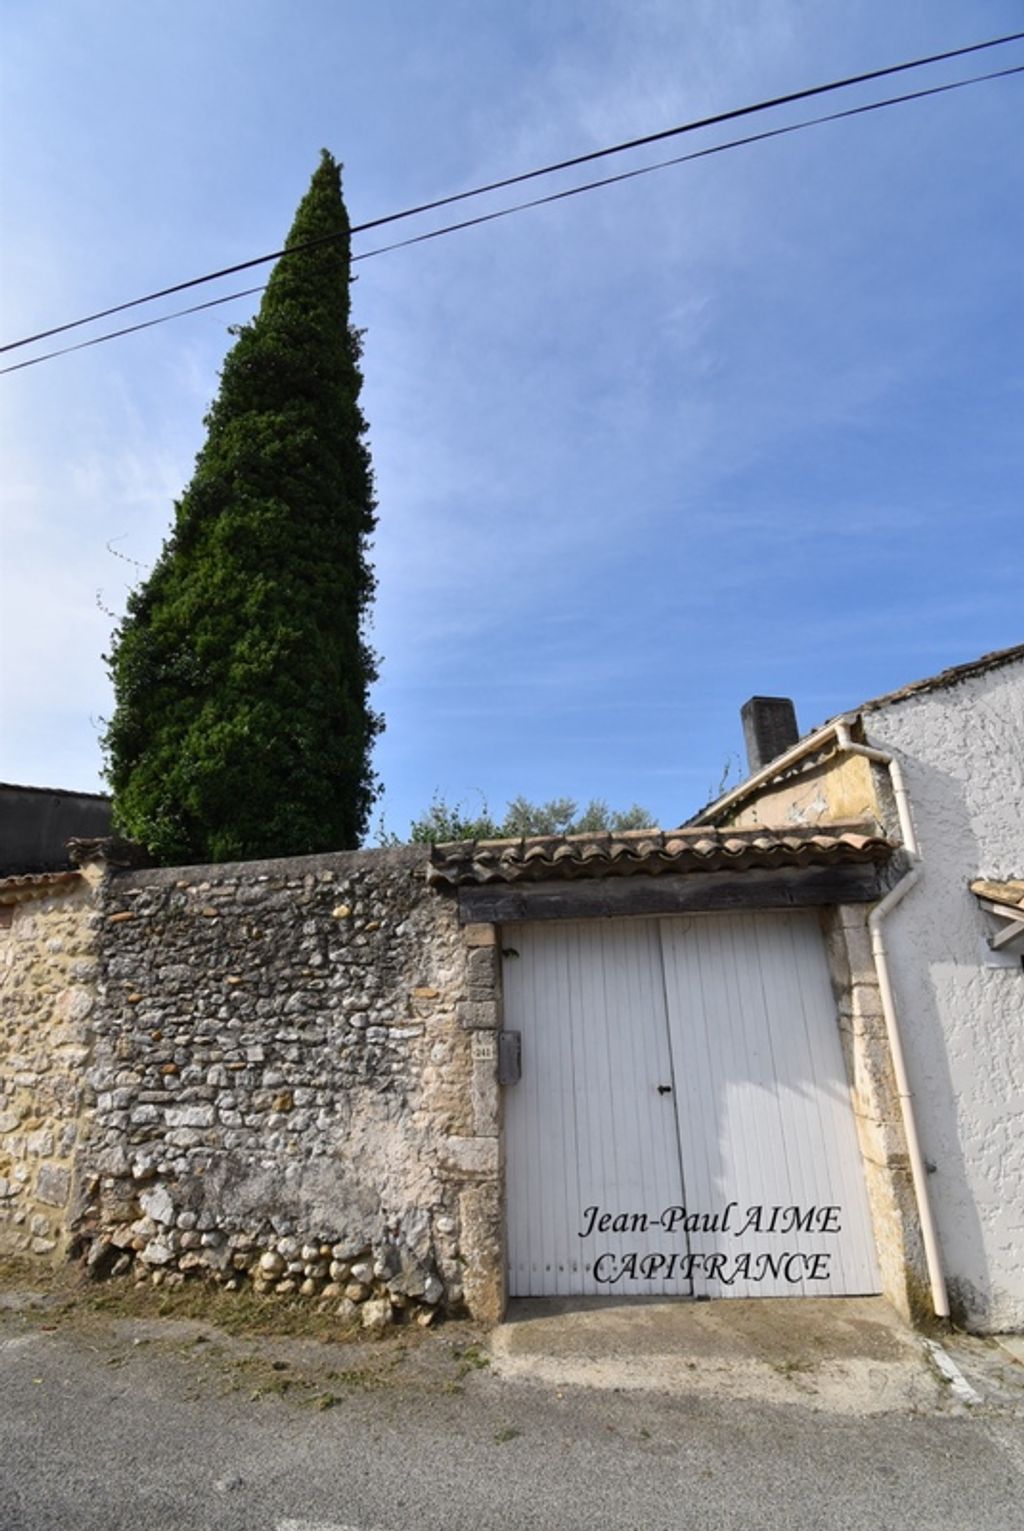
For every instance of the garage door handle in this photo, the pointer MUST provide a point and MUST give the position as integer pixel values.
(664, 1089)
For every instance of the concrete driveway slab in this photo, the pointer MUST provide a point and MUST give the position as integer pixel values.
(847, 1355)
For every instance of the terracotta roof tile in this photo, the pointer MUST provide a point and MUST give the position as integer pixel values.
(647, 852)
(1010, 893)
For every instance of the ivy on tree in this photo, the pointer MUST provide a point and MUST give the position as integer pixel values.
(242, 726)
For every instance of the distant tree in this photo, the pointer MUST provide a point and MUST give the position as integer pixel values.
(443, 822)
(598, 816)
(525, 818)
(242, 726)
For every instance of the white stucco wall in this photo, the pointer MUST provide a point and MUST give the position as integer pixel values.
(962, 749)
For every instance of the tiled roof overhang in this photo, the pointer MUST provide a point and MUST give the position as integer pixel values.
(1010, 893)
(1004, 900)
(18, 890)
(650, 853)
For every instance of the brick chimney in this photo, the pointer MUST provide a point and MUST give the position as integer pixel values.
(769, 729)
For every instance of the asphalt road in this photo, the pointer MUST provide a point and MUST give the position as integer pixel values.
(151, 1428)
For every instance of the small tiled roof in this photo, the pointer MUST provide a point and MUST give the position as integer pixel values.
(1010, 893)
(19, 786)
(16, 890)
(649, 852)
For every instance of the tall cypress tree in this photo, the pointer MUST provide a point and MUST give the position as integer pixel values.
(242, 726)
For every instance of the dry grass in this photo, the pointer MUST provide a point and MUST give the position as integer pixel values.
(67, 1293)
(218, 1343)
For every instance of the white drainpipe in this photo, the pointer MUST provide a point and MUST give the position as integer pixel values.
(876, 919)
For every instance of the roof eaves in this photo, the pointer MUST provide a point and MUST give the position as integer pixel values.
(802, 753)
(651, 853)
(817, 740)
(953, 676)
(1010, 892)
(16, 786)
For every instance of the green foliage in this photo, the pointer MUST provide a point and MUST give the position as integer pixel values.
(444, 822)
(597, 816)
(242, 726)
(525, 818)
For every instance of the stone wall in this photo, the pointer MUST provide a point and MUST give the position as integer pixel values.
(47, 977)
(876, 1111)
(284, 1073)
(293, 1081)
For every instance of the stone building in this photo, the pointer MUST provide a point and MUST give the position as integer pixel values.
(953, 944)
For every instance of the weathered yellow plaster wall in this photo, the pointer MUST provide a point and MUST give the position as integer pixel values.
(47, 978)
(842, 787)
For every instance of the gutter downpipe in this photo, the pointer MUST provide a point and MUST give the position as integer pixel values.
(876, 919)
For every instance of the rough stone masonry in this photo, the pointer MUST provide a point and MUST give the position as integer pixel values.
(291, 1080)
(48, 933)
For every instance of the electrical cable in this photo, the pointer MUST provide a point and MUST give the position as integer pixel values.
(131, 329)
(682, 159)
(557, 196)
(527, 175)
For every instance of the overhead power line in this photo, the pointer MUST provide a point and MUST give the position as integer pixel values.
(131, 329)
(527, 175)
(682, 159)
(557, 196)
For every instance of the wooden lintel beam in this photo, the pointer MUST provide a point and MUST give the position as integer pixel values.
(1012, 931)
(669, 893)
(1004, 911)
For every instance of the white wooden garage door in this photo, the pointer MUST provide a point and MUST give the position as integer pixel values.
(683, 1122)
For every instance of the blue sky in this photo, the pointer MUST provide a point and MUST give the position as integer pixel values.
(746, 425)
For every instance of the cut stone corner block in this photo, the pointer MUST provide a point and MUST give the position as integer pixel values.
(483, 974)
(474, 1156)
(475, 935)
(479, 1014)
(481, 1218)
